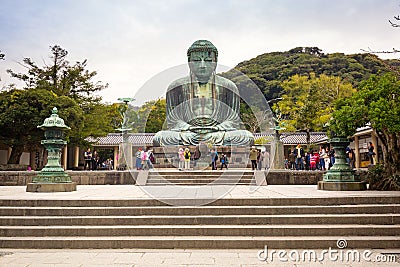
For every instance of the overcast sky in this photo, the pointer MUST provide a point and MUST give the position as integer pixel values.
(129, 42)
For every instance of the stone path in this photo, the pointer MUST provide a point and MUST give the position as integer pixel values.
(133, 192)
(167, 257)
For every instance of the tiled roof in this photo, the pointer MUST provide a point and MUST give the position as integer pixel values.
(146, 139)
(295, 138)
(113, 139)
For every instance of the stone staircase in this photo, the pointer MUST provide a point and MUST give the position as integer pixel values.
(251, 223)
(201, 177)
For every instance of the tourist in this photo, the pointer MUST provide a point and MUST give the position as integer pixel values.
(260, 160)
(371, 152)
(292, 160)
(224, 161)
(266, 161)
(181, 158)
(348, 152)
(109, 164)
(327, 160)
(253, 157)
(313, 160)
(138, 163)
(322, 156)
(307, 160)
(299, 155)
(150, 159)
(186, 155)
(95, 160)
(144, 158)
(214, 158)
(286, 162)
(88, 159)
(331, 154)
(196, 155)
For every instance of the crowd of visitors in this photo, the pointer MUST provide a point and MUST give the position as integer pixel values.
(322, 159)
(298, 159)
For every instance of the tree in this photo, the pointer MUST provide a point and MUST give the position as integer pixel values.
(21, 111)
(60, 76)
(2, 55)
(74, 81)
(149, 117)
(155, 120)
(308, 101)
(269, 70)
(377, 102)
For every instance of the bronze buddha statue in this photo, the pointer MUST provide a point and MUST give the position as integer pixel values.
(203, 107)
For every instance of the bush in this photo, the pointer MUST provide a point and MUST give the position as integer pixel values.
(379, 181)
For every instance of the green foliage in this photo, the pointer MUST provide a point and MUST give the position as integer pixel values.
(270, 69)
(376, 102)
(21, 111)
(308, 101)
(378, 181)
(60, 76)
(263, 140)
(149, 117)
(157, 116)
(58, 83)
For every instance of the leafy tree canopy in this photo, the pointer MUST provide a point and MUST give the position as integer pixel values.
(269, 70)
(148, 118)
(308, 101)
(377, 102)
(69, 87)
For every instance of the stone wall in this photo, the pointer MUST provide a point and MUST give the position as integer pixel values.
(80, 177)
(275, 177)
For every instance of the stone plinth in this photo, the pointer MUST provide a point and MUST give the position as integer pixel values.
(51, 187)
(167, 156)
(342, 186)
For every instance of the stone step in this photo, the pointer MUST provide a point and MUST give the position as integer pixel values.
(200, 210)
(182, 180)
(199, 177)
(361, 219)
(195, 184)
(209, 242)
(201, 230)
(255, 201)
(203, 172)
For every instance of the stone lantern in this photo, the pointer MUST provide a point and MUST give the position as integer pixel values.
(53, 178)
(341, 176)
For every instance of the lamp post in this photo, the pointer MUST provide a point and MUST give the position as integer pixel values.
(125, 159)
(278, 163)
(52, 178)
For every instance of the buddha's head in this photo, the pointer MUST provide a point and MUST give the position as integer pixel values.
(202, 58)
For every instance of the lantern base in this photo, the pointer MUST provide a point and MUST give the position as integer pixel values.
(51, 187)
(342, 186)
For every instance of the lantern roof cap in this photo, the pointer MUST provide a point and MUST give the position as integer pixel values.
(54, 121)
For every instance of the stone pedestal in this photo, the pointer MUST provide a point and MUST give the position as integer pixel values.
(167, 156)
(341, 176)
(125, 155)
(51, 187)
(278, 163)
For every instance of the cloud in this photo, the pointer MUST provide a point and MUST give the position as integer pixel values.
(128, 42)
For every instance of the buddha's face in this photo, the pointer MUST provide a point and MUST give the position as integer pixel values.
(202, 64)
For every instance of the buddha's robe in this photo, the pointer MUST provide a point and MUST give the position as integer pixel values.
(203, 113)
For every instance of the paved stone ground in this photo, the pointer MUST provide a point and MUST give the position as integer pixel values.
(123, 192)
(189, 257)
(168, 257)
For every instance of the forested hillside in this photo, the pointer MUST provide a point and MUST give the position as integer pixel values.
(270, 69)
